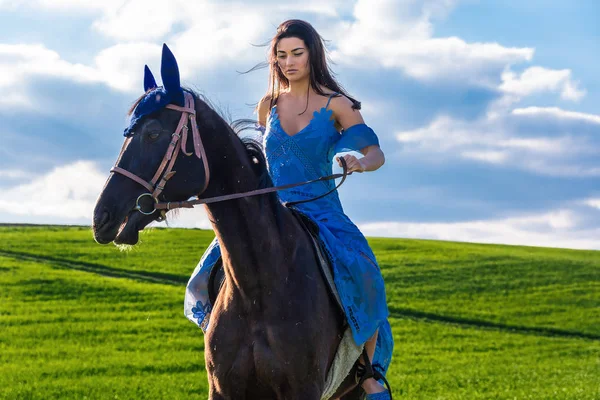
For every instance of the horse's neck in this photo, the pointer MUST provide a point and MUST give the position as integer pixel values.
(251, 243)
(248, 229)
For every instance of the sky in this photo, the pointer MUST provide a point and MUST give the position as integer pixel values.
(487, 111)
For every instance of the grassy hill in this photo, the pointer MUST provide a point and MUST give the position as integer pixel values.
(471, 321)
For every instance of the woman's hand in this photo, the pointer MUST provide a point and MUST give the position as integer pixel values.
(354, 164)
(372, 160)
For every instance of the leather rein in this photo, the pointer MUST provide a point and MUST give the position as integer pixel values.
(178, 143)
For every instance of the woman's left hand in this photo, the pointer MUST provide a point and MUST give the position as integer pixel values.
(354, 164)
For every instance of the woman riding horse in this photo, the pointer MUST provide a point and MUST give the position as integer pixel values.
(301, 117)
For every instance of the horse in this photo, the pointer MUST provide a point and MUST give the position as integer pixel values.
(274, 327)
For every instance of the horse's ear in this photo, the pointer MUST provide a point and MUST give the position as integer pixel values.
(170, 76)
(149, 81)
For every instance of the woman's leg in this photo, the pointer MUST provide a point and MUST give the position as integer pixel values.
(370, 385)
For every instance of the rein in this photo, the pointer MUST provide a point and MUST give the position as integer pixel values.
(192, 203)
(188, 113)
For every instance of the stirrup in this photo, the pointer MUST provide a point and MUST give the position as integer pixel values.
(366, 371)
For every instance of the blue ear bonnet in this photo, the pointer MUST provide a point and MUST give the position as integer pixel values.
(153, 101)
(157, 98)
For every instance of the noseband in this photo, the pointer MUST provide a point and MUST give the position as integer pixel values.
(188, 113)
(178, 142)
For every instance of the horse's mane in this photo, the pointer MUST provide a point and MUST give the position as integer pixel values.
(245, 130)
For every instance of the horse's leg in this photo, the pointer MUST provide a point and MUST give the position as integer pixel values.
(228, 376)
(213, 395)
(227, 356)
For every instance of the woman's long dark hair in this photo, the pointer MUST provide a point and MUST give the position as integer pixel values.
(320, 73)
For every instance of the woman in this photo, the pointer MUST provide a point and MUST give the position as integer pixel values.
(301, 118)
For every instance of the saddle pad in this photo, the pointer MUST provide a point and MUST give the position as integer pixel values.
(345, 357)
(312, 230)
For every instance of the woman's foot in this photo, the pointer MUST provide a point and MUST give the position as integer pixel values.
(385, 395)
(374, 390)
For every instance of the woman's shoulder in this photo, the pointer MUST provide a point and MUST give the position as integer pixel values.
(265, 102)
(262, 109)
(344, 111)
(336, 101)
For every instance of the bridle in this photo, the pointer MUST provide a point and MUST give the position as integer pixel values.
(178, 143)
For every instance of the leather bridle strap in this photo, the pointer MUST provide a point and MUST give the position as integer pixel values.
(178, 143)
(133, 176)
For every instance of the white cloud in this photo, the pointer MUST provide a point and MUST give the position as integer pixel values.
(21, 61)
(216, 23)
(223, 35)
(142, 20)
(493, 157)
(11, 4)
(15, 99)
(557, 113)
(399, 34)
(429, 59)
(552, 229)
(113, 10)
(561, 169)
(121, 66)
(330, 9)
(400, 18)
(210, 33)
(540, 145)
(68, 192)
(539, 80)
(392, 33)
(446, 134)
(592, 203)
(205, 34)
(78, 5)
(14, 174)
(528, 138)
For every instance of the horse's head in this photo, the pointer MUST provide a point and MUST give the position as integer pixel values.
(162, 139)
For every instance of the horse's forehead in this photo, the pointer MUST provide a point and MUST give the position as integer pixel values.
(153, 101)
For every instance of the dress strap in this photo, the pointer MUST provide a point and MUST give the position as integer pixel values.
(330, 97)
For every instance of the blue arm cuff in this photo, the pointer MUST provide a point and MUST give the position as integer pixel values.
(355, 138)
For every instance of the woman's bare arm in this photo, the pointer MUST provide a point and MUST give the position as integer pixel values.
(346, 116)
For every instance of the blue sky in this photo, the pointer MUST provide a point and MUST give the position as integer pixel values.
(487, 111)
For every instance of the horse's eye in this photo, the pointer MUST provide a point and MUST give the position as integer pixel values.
(153, 135)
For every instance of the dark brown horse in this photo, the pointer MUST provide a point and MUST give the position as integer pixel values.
(274, 328)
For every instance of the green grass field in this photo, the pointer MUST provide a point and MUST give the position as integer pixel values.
(470, 321)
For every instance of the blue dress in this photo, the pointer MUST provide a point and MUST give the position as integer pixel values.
(305, 156)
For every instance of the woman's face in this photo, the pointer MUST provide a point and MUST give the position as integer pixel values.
(292, 57)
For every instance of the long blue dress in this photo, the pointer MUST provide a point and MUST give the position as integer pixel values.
(304, 156)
